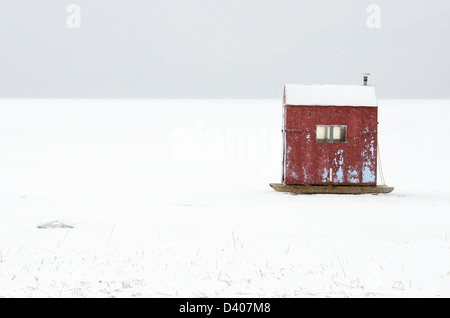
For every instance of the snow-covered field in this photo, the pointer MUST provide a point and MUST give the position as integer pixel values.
(172, 198)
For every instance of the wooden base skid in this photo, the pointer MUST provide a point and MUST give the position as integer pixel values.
(330, 189)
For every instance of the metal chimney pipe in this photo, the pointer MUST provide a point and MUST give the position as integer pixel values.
(366, 78)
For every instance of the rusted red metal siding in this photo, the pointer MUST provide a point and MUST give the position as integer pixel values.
(306, 161)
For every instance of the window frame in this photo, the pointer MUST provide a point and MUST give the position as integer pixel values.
(329, 134)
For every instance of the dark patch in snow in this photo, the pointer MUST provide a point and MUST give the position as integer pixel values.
(56, 225)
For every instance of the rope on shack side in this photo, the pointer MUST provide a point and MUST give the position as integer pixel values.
(380, 167)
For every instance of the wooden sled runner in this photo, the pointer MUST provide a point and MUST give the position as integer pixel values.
(330, 189)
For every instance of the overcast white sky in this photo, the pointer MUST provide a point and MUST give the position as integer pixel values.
(221, 48)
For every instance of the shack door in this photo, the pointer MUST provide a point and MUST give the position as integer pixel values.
(303, 159)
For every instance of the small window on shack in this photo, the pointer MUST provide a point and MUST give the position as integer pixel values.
(331, 133)
(322, 133)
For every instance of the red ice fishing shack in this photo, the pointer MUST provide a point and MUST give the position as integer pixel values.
(330, 139)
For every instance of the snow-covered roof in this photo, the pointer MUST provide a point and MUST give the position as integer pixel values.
(330, 95)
